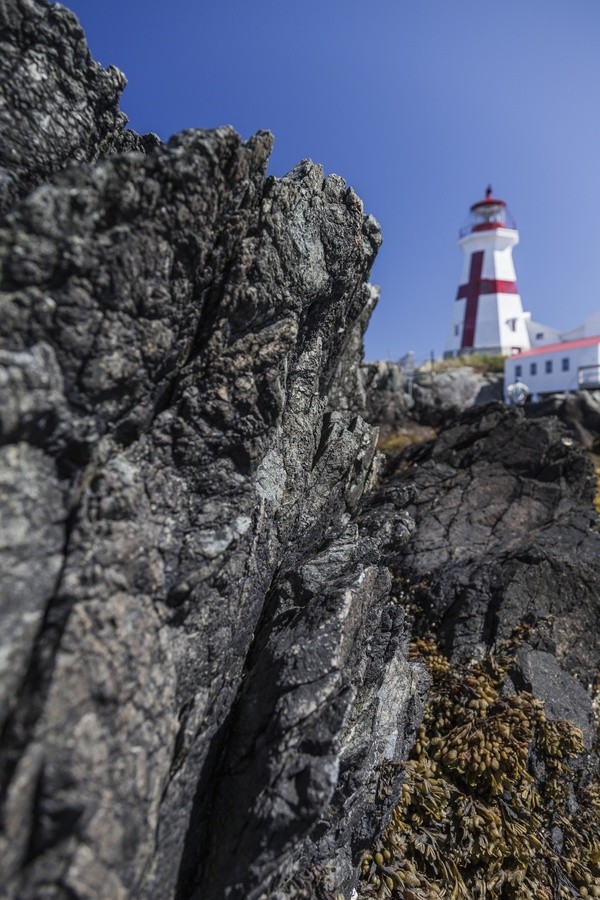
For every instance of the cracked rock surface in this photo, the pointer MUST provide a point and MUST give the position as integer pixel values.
(204, 685)
(505, 532)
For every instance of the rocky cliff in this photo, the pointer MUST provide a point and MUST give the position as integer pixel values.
(502, 575)
(208, 574)
(505, 531)
(204, 677)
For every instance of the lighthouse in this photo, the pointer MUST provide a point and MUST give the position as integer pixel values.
(488, 314)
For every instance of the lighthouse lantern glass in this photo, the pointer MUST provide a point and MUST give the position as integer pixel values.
(487, 215)
(492, 212)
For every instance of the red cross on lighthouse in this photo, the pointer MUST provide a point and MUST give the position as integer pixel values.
(471, 291)
(475, 287)
(484, 247)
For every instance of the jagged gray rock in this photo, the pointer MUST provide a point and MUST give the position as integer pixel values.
(505, 532)
(385, 394)
(204, 674)
(59, 105)
(564, 698)
(389, 396)
(579, 411)
(443, 395)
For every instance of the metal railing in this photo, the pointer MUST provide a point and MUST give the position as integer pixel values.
(505, 220)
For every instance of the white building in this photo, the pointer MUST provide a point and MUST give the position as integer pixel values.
(568, 364)
(488, 314)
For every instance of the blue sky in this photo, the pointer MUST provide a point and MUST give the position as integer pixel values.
(418, 104)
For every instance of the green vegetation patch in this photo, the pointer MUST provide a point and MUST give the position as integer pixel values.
(596, 461)
(476, 361)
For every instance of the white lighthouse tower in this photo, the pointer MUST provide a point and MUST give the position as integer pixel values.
(488, 314)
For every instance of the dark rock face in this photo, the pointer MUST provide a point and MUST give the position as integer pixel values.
(59, 106)
(204, 676)
(506, 532)
(580, 412)
(502, 568)
(385, 394)
(564, 698)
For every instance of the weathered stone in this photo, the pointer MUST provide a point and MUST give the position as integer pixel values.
(204, 677)
(564, 698)
(440, 396)
(506, 532)
(390, 396)
(58, 105)
(385, 394)
(580, 412)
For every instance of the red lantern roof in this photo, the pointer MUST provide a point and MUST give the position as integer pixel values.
(488, 202)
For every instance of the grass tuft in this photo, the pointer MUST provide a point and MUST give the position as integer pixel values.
(476, 361)
(395, 441)
(596, 461)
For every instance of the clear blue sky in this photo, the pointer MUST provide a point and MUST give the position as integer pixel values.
(418, 104)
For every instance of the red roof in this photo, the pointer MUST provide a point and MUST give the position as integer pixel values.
(562, 345)
(487, 201)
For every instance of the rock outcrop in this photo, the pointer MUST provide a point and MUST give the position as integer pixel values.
(385, 394)
(502, 574)
(579, 411)
(505, 532)
(441, 396)
(205, 689)
(59, 105)
(389, 396)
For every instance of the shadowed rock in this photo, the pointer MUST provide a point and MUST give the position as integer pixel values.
(580, 412)
(203, 674)
(506, 532)
(564, 698)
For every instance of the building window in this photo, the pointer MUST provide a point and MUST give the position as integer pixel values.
(518, 371)
(565, 363)
(456, 330)
(512, 324)
(548, 366)
(533, 368)
(539, 336)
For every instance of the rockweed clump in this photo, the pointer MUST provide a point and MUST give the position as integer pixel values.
(492, 806)
(596, 461)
